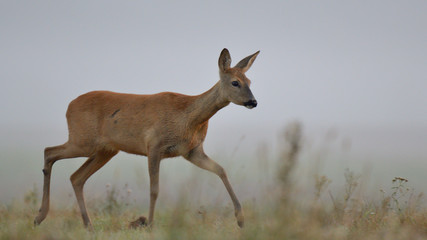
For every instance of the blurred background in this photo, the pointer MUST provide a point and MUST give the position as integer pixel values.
(353, 73)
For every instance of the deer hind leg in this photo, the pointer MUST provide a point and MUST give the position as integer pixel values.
(78, 179)
(51, 155)
(200, 159)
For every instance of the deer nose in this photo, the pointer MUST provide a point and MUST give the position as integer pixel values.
(251, 103)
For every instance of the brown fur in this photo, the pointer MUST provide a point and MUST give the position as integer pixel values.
(159, 126)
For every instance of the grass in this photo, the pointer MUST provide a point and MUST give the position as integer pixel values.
(286, 219)
(284, 213)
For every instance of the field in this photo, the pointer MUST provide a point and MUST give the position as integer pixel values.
(286, 219)
(283, 211)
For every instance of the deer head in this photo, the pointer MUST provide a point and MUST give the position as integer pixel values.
(234, 83)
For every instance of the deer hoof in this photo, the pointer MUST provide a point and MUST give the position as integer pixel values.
(140, 222)
(38, 220)
(241, 224)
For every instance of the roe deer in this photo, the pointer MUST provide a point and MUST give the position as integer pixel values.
(158, 126)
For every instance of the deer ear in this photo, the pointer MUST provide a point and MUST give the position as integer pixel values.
(224, 60)
(246, 62)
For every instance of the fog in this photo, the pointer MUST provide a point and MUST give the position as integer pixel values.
(356, 69)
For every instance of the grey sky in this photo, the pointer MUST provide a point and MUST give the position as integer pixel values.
(326, 63)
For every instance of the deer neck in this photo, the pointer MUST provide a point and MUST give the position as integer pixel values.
(207, 104)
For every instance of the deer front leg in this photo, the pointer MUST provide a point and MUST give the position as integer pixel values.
(200, 159)
(153, 170)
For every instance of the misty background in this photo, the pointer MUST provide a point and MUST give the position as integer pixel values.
(354, 73)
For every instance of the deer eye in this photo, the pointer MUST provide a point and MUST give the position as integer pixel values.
(235, 83)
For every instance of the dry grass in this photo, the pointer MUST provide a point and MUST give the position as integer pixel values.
(287, 214)
(286, 219)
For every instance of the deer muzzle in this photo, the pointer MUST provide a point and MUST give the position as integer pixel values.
(251, 103)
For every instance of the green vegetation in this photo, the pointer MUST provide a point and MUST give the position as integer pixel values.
(286, 213)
